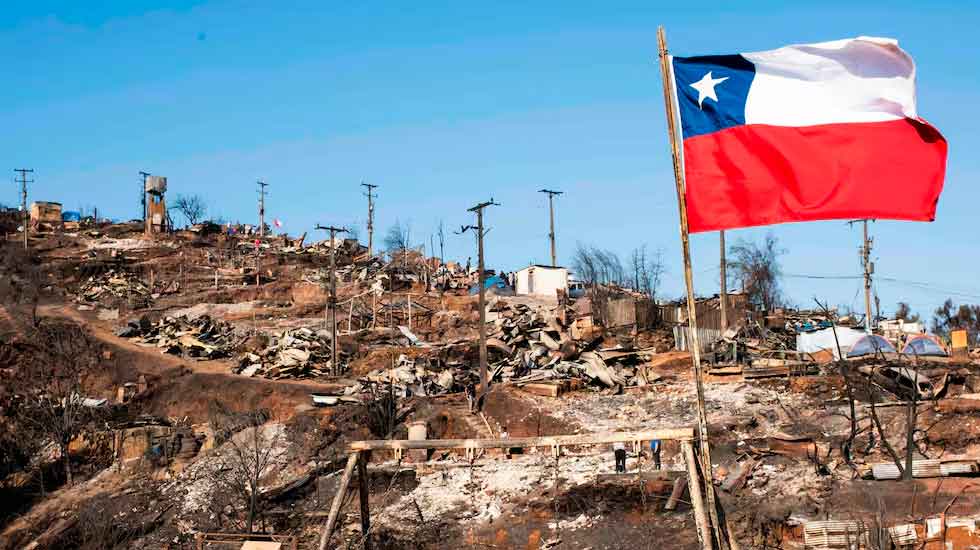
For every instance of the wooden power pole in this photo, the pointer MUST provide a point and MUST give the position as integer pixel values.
(869, 269)
(478, 209)
(23, 198)
(143, 175)
(262, 186)
(724, 283)
(333, 294)
(370, 225)
(551, 234)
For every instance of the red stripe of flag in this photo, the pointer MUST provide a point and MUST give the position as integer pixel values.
(758, 175)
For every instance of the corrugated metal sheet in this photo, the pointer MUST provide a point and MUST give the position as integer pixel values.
(920, 468)
(960, 467)
(903, 535)
(834, 535)
(706, 337)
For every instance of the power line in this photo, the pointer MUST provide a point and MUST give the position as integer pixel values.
(828, 277)
(930, 287)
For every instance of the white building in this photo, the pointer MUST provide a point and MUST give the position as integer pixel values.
(541, 280)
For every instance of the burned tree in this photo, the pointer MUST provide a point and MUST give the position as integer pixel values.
(192, 207)
(250, 450)
(398, 237)
(596, 267)
(949, 317)
(647, 271)
(51, 383)
(756, 267)
(904, 313)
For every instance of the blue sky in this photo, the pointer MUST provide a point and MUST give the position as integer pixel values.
(447, 104)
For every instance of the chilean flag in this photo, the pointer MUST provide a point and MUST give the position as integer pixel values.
(807, 132)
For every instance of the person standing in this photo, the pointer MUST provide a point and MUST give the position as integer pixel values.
(655, 452)
(619, 451)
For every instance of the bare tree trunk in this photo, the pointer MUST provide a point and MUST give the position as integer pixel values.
(66, 461)
(251, 508)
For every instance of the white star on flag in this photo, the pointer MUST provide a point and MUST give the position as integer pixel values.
(706, 87)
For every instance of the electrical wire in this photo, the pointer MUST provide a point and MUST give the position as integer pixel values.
(832, 277)
(929, 287)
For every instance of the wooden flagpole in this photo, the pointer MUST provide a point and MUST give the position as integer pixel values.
(693, 342)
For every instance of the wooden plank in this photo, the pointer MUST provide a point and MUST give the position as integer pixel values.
(697, 499)
(677, 434)
(675, 495)
(338, 501)
(543, 388)
(363, 484)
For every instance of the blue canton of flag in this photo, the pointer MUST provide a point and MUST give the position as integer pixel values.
(712, 91)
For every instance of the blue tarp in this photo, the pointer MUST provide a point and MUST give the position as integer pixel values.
(495, 283)
(925, 346)
(870, 343)
(70, 216)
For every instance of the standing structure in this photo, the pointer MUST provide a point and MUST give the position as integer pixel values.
(333, 293)
(551, 234)
(478, 209)
(156, 207)
(370, 224)
(262, 186)
(23, 198)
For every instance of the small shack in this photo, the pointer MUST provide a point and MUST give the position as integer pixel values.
(541, 280)
(45, 212)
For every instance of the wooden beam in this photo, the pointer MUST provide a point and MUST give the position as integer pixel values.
(679, 434)
(675, 496)
(697, 499)
(363, 484)
(338, 501)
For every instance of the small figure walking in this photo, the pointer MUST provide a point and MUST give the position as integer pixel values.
(655, 451)
(619, 451)
(471, 397)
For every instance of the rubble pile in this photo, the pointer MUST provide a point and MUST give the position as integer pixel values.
(538, 345)
(114, 286)
(526, 346)
(294, 353)
(419, 376)
(201, 337)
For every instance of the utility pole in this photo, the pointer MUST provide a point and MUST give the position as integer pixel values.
(143, 175)
(551, 235)
(262, 186)
(442, 244)
(484, 382)
(724, 283)
(869, 269)
(333, 293)
(23, 198)
(370, 225)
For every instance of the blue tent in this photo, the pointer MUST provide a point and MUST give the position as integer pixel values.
(923, 345)
(869, 344)
(71, 216)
